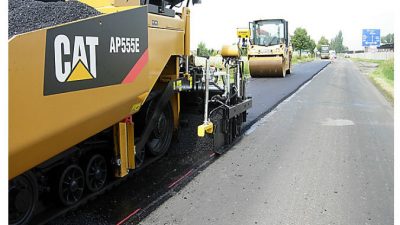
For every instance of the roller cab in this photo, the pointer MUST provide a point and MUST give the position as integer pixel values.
(270, 52)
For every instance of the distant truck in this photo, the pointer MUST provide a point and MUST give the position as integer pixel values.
(324, 52)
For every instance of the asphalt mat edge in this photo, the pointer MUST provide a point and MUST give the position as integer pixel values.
(138, 211)
(202, 165)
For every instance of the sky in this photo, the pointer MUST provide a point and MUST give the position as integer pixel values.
(215, 21)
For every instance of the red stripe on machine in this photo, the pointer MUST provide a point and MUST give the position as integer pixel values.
(137, 68)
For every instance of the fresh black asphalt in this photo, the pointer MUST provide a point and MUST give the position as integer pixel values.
(151, 187)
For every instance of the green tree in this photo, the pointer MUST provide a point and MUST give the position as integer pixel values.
(212, 52)
(301, 40)
(337, 43)
(388, 39)
(311, 46)
(202, 50)
(322, 41)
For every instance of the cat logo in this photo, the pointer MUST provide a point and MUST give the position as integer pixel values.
(81, 66)
(96, 53)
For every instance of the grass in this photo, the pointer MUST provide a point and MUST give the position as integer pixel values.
(297, 59)
(382, 76)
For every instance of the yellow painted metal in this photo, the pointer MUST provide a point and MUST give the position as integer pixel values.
(130, 136)
(230, 51)
(124, 148)
(186, 18)
(164, 22)
(266, 66)
(177, 85)
(176, 99)
(121, 149)
(207, 127)
(42, 127)
(243, 33)
(120, 3)
(112, 6)
(163, 43)
(257, 50)
(135, 108)
(176, 108)
(80, 73)
(98, 3)
(154, 20)
(269, 61)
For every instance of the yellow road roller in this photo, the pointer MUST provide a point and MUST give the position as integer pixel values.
(270, 52)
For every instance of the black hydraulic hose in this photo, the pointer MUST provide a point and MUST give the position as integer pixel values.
(242, 68)
(219, 88)
(214, 110)
(218, 97)
(234, 95)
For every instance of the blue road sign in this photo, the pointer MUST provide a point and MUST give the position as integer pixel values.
(371, 37)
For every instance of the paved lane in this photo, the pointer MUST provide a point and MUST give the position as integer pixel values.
(150, 187)
(324, 156)
(268, 92)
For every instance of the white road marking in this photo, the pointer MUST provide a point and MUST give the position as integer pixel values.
(337, 122)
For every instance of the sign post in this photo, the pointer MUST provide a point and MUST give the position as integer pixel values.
(371, 37)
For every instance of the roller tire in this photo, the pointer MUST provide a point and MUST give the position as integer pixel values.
(29, 196)
(71, 185)
(161, 137)
(96, 173)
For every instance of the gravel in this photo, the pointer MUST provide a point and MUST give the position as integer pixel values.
(188, 141)
(29, 15)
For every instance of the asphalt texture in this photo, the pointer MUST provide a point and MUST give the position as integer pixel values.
(323, 156)
(188, 156)
(29, 15)
(268, 92)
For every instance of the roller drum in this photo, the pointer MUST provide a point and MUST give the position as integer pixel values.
(266, 67)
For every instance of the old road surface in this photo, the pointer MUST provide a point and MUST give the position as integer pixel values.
(250, 176)
(324, 156)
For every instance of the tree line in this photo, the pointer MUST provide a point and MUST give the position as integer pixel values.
(388, 39)
(301, 42)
